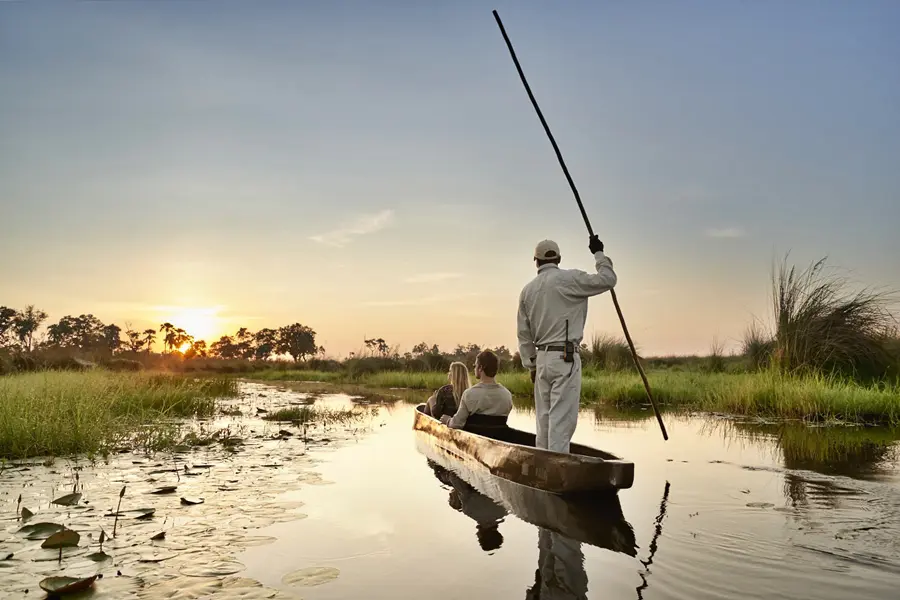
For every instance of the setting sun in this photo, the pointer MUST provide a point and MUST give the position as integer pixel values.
(201, 323)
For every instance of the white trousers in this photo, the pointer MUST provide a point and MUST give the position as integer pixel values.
(561, 565)
(557, 393)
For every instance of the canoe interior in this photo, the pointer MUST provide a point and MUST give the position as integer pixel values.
(524, 438)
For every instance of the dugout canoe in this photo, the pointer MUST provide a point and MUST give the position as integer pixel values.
(513, 456)
(594, 519)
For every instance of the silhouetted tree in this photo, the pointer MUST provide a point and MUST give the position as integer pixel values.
(26, 323)
(224, 348)
(149, 338)
(266, 343)
(422, 349)
(378, 345)
(62, 334)
(134, 343)
(297, 340)
(244, 341)
(197, 349)
(178, 338)
(111, 337)
(169, 331)
(467, 353)
(7, 320)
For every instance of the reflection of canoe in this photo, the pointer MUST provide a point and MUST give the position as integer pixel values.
(512, 455)
(596, 519)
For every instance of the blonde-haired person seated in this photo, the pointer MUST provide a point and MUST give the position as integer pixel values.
(445, 401)
(485, 406)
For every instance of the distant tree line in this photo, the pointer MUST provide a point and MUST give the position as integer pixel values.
(86, 333)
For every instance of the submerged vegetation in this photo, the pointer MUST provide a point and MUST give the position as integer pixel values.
(61, 413)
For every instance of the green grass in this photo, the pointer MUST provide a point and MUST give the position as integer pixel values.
(313, 414)
(766, 394)
(61, 413)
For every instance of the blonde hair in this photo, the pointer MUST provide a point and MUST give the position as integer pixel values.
(459, 379)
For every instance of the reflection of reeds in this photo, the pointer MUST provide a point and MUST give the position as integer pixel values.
(836, 449)
(59, 413)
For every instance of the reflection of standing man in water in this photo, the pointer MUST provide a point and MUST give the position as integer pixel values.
(560, 573)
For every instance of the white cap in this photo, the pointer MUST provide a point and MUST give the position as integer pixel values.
(546, 249)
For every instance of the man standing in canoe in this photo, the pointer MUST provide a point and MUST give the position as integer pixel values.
(552, 313)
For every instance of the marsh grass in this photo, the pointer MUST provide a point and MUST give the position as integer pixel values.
(60, 413)
(300, 415)
(769, 393)
(822, 325)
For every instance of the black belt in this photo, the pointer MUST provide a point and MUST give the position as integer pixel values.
(554, 348)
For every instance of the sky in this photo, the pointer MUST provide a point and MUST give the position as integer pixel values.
(376, 169)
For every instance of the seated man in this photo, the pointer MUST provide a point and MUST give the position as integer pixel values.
(487, 403)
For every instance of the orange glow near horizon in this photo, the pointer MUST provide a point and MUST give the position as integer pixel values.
(201, 323)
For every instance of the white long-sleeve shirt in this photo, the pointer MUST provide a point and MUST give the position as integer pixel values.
(553, 296)
(491, 399)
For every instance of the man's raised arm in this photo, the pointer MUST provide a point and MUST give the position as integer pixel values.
(584, 284)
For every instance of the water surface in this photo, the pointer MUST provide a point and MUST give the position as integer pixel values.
(368, 509)
(724, 509)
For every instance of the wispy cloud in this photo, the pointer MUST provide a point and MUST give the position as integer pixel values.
(432, 277)
(360, 226)
(726, 232)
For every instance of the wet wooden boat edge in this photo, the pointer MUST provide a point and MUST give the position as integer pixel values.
(585, 470)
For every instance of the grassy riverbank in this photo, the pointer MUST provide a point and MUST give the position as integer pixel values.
(765, 393)
(61, 413)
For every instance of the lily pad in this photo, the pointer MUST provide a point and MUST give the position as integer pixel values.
(41, 531)
(66, 585)
(68, 499)
(66, 538)
(159, 536)
(760, 504)
(169, 489)
(98, 556)
(26, 514)
(191, 501)
(311, 576)
(216, 568)
(157, 558)
(143, 513)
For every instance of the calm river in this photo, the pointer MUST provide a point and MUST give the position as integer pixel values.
(721, 510)
(724, 509)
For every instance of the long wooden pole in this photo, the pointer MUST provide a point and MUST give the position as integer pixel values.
(587, 222)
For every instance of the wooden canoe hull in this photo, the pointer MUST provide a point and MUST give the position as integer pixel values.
(594, 519)
(515, 458)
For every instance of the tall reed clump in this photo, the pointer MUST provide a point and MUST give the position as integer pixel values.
(715, 362)
(822, 326)
(59, 413)
(609, 353)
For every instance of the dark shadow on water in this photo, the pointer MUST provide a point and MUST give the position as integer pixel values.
(563, 524)
(486, 513)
